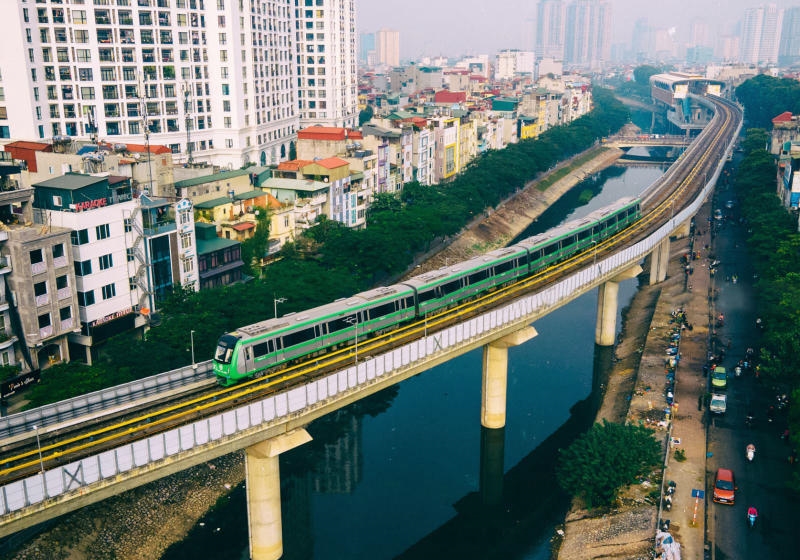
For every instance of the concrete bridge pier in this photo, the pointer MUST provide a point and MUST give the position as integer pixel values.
(607, 298)
(684, 230)
(495, 376)
(263, 480)
(659, 259)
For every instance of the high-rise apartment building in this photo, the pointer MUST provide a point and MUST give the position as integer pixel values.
(789, 52)
(550, 29)
(761, 34)
(387, 43)
(212, 79)
(326, 62)
(366, 49)
(587, 38)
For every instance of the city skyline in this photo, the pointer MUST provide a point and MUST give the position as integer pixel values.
(510, 24)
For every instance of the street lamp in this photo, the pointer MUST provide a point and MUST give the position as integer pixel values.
(353, 320)
(191, 338)
(275, 303)
(41, 462)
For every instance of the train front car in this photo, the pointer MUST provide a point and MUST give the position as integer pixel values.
(225, 362)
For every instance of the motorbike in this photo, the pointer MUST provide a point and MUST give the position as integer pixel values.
(749, 420)
(750, 452)
(752, 515)
(738, 371)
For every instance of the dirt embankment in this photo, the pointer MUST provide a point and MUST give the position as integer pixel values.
(142, 523)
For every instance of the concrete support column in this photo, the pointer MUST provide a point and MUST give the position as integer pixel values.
(495, 377)
(684, 229)
(659, 260)
(605, 331)
(263, 480)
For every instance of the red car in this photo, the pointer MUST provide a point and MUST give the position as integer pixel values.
(724, 487)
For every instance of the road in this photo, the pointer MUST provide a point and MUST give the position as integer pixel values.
(759, 483)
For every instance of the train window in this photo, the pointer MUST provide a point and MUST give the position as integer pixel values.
(536, 255)
(477, 277)
(408, 302)
(450, 287)
(505, 266)
(550, 249)
(381, 310)
(298, 337)
(427, 295)
(262, 349)
(585, 234)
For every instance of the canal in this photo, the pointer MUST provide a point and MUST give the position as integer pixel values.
(410, 473)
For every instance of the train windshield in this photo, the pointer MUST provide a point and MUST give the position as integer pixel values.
(224, 350)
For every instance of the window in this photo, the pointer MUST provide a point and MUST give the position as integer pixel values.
(87, 93)
(85, 299)
(83, 268)
(40, 289)
(85, 74)
(106, 261)
(44, 321)
(65, 313)
(58, 251)
(83, 55)
(103, 231)
(81, 36)
(36, 256)
(62, 282)
(79, 237)
(129, 254)
(109, 291)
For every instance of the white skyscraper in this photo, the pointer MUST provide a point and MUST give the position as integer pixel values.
(587, 38)
(211, 79)
(550, 29)
(761, 34)
(326, 62)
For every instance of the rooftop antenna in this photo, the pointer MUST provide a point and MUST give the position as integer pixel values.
(92, 124)
(187, 104)
(143, 96)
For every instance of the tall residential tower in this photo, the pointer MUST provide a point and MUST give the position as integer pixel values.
(587, 41)
(326, 62)
(550, 29)
(761, 34)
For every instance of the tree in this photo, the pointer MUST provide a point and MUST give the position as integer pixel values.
(642, 74)
(606, 458)
(255, 248)
(365, 115)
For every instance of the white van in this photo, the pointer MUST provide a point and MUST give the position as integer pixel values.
(719, 403)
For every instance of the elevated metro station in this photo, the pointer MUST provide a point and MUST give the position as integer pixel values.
(671, 91)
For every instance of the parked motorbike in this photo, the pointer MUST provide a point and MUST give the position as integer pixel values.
(750, 452)
(752, 515)
(749, 419)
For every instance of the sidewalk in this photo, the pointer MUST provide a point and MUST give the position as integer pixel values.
(684, 420)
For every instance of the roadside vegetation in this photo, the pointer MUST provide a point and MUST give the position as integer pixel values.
(606, 458)
(331, 261)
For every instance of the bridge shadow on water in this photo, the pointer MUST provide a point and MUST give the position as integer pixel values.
(513, 512)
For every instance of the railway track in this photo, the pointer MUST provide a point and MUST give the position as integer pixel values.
(59, 446)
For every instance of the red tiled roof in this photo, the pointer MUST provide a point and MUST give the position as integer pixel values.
(332, 162)
(153, 149)
(25, 145)
(294, 165)
(273, 202)
(786, 116)
(445, 96)
(329, 133)
(244, 226)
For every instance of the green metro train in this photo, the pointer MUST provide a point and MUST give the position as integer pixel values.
(254, 350)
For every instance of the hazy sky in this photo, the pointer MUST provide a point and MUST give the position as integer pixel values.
(456, 27)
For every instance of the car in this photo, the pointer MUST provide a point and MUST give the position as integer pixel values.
(719, 378)
(724, 487)
(718, 215)
(729, 204)
(719, 403)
